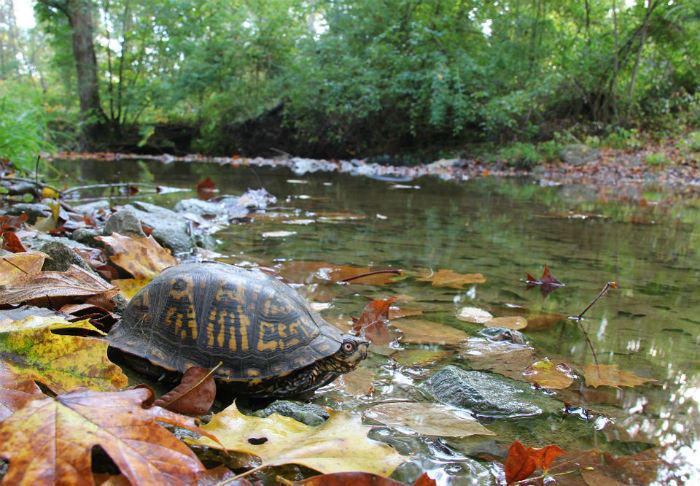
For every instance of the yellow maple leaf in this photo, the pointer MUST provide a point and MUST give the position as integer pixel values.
(339, 444)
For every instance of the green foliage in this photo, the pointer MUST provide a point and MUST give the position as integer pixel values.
(623, 138)
(23, 132)
(656, 158)
(691, 142)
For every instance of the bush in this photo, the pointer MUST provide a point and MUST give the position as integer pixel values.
(23, 131)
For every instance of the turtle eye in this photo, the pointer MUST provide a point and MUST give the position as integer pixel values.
(348, 346)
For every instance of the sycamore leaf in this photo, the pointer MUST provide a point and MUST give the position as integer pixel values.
(53, 289)
(522, 462)
(20, 267)
(339, 444)
(420, 331)
(611, 375)
(431, 419)
(449, 278)
(141, 257)
(550, 375)
(193, 396)
(503, 357)
(61, 362)
(49, 442)
(15, 391)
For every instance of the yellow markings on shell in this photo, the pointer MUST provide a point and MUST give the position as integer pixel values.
(220, 338)
(186, 291)
(282, 330)
(244, 324)
(255, 381)
(252, 372)
(173, 318)
(297, 326)
(265, 344)
(324, 348)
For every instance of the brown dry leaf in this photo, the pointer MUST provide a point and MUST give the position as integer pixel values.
(20, 267)
(611, 375)
(141, 257)
(322, 272)
(449, 278)
(522, 462)
(54, 289)
(510, 322)
(15, 391)
(49, 442)
(339, 444)
(11, 243)
(420, 358)
(503, 357)
(420, 331)
(193, 396)
(550, 375)
(474, 314)
(431, 419)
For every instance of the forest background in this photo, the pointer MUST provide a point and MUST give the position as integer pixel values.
(405, 79)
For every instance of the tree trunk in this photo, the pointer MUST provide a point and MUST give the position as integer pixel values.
(91, 114)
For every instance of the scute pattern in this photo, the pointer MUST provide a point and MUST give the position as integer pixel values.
(205, 313)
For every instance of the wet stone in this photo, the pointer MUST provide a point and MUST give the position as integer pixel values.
(502, 334)
(201, 208)
(125, 222)
(307, 413)
(487, 394)
(169, 228)
(33, 211)
(92, 207)
(62, 257)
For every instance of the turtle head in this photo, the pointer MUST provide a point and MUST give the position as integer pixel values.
(353, 349)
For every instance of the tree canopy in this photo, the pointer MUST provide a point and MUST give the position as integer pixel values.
(342, 77)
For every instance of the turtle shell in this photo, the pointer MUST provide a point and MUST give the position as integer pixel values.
(205, 313)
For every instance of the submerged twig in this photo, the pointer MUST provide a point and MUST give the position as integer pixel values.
(369, 274)
(107, 186)
(578, 318)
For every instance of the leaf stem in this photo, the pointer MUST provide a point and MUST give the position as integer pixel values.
(243, 474)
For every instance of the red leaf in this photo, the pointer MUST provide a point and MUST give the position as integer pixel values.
(521, 462)
(10, 242)
(193, 396)
(374, 322)
(425, 480)
(348, 479)
(206, 189)
(12, 222)
(548, 278)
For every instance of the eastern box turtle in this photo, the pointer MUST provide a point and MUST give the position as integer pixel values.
(268, 339)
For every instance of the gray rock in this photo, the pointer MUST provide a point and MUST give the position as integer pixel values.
(486, 394)
(92, 207)
(307, 413)
(33, 211)
(502, 334)
(578, 154)
(201, 208)
(86, 236)
(62, 257)
(169, 228)
(125, 222)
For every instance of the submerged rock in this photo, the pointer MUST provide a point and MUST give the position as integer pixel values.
(307, 413)
(487, 394)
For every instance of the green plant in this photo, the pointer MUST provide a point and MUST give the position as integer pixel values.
(656, 158)
(623, 138)
(520, 155)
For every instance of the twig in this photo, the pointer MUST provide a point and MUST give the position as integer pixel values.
(106, 186)
(243, 474)
(579, 318)
(369, 274)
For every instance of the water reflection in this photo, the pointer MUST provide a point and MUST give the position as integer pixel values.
(502, 229)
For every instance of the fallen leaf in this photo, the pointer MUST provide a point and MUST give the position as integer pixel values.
(431, 419)
(510, 322)
(339, 444)
(54, 289)
(322, 272)
(420, 358)
(420, 331)
(474, 314)
(20, 267)
(49, 441)
(359, 382)
(401, 312)
(193, 396)
(11, 243)
(449, 278)
(611, 375)
(548, 283)
(348, 479)
(141, 257)
(128, 287)
(522, 462)
(503, 357)
(61, 362)
(550, 375)
(373, 324)
(12, 223)
(206, 189)
(15, 391)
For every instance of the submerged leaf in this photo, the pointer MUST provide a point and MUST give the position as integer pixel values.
(420, 331)
(374, 322)
(339, 444)
(522, 462)
(449, 278)
(611, 375)
(474, 314)
(553, 376)
(49, 442)
(428, 419)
